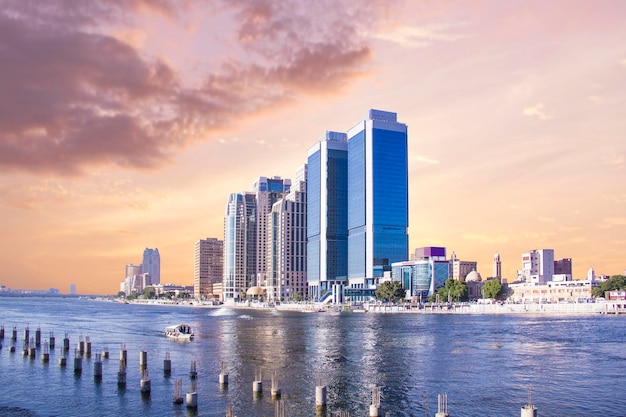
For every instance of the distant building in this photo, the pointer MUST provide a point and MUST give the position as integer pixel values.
(570, 291)
(497, 266)
(591, 274)
(562, 270)
(423, 275)
(133, 281)
(152, 265)
(459, 269)
(73, 289)
(208, 267)
(474, 283)
(538, 266)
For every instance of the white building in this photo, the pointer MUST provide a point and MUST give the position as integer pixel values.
(552, 291)
(538, 266)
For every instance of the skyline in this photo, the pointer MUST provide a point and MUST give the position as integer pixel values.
(127, 125)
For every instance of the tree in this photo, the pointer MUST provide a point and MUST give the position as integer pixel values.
(492, 288)
(390, 291)
(457, 291)
(615, 283)
(121, 294)
(149, 292)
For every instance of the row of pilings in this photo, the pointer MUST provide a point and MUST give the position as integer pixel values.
(31, 344)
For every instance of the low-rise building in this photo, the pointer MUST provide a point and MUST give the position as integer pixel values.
(552, 291)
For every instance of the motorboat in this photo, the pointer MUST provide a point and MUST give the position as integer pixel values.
(179, 332)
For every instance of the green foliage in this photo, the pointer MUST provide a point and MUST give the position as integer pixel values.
(149, 292)
(457, 291)
(121, 294)
(390, 291)
(492, 289)
(615, 283)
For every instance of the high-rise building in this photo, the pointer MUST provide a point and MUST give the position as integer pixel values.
(133, 281)
(208, 267)
(538, 266)
(239, 245)
(378, 198)
(497, 266)
(459, 269)
(152, 265)
(267, 192)
(245, 236)
(327, 214)
(287, 243)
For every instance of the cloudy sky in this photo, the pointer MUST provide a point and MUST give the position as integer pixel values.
(125, 124)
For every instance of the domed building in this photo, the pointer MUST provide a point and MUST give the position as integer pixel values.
(473, 276)
(474, 283)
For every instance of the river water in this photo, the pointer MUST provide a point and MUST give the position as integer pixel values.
(576, 365)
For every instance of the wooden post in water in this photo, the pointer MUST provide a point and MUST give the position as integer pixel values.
(223, 379)
(52, 341)
(45, 356)
(442, 405)
(97, 368)
(167, 364)
(257, 384)
(275, 390)
(320, 397)
(178, 391)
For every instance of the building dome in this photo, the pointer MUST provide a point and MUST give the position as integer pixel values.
(473, 277)
(255, 291)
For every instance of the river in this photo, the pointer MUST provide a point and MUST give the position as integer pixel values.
(486, 364)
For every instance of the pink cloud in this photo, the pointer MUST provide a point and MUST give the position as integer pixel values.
(74, 96)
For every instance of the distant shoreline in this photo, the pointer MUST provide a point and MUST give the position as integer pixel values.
(606, 307)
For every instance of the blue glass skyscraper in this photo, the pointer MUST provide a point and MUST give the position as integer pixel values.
(327, 214)
(377, 197)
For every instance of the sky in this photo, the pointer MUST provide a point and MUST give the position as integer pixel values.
(125, 124)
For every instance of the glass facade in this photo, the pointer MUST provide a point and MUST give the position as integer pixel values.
(422, 277)
(327, 233)
(377, 195)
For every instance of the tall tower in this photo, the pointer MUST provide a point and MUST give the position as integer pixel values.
(497, 266)
(267, 191)
(286, 244)
(208, 266)
(378, 200)
(239, 245)
(327, 213)
(152, 265)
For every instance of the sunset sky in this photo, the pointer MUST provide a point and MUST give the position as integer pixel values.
(125, 124)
